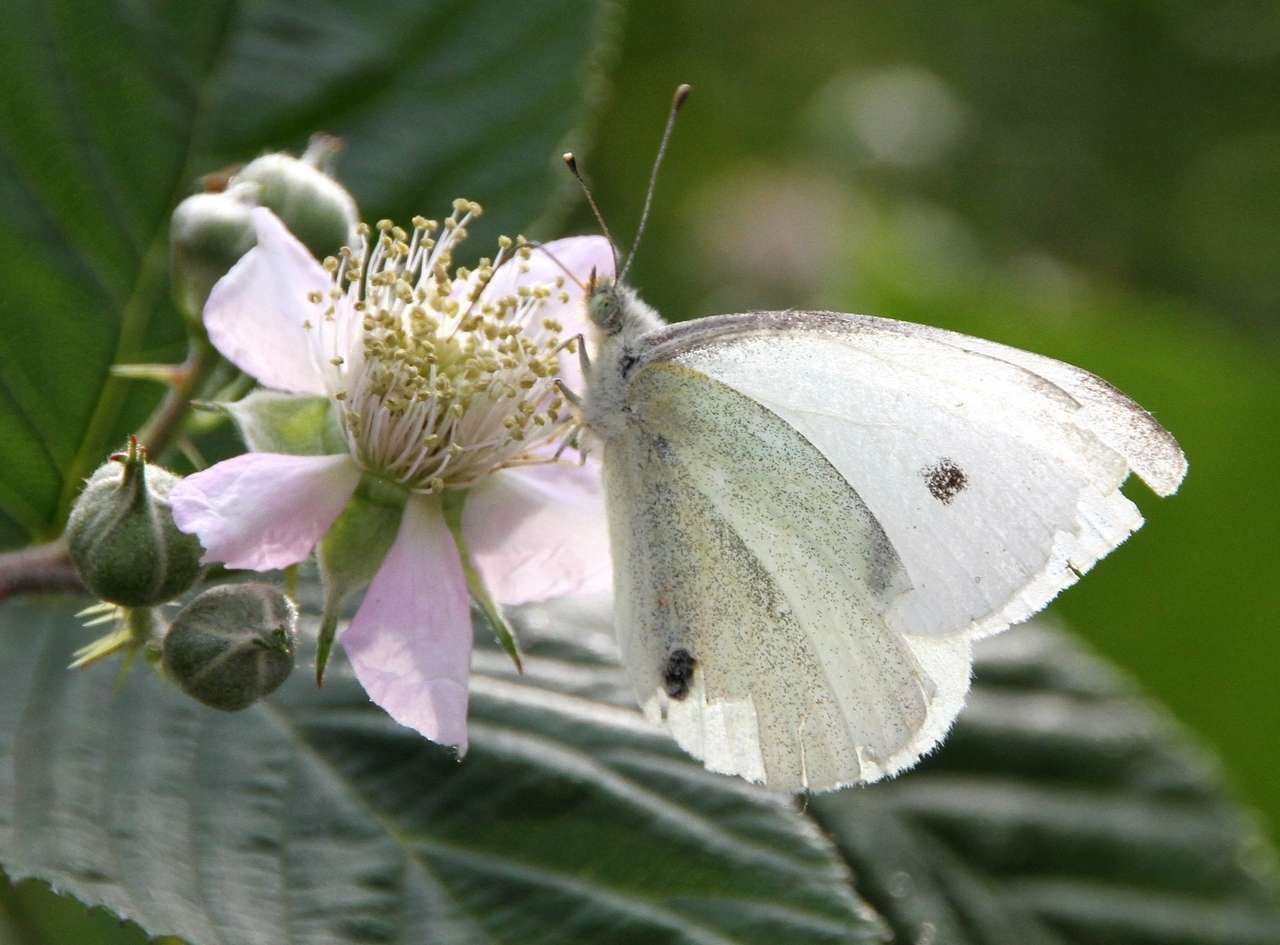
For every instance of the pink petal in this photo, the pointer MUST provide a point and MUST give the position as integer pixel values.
(536, 532)
(410, 641)
(263, 510)
(579, 255)
(255, 312)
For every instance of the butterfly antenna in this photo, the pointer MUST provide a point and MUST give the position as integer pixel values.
(677, 101)
(571, 162)
(542, 248)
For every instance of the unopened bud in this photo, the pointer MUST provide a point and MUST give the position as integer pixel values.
(122, 537)
(210, 231)
(232, 645)
(315, 207)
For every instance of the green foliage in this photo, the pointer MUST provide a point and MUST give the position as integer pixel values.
(1061, 811)
(313, 817)
(110, 112)
(32, 914)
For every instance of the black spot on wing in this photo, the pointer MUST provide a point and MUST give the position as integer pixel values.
(945, 480)
(678, 673)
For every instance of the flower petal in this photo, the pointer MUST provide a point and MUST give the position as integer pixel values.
(255, 312)
(579, 255)
(536, 532)
(263, 510)
(410, 641)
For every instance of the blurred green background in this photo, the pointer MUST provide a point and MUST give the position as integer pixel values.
(1095, 181)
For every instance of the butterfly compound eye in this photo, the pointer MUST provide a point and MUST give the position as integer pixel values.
(604, 308)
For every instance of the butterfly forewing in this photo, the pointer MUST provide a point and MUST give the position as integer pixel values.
(995, 485)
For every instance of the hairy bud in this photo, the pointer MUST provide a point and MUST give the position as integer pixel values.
(232, 645)
(122, 537)
(315, 207)
(210, 231)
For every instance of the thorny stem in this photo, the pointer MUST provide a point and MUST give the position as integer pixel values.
(48, 567)
(165, 422)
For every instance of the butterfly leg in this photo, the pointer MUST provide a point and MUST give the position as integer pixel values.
(584, 361)
(570, 439)
(568, 395)
(577, 345)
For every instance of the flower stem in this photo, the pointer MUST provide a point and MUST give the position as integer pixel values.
(165, 422)
(40, 568)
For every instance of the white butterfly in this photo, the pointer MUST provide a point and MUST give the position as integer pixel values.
(813, 515)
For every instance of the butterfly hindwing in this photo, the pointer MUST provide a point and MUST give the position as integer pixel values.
(752, 585)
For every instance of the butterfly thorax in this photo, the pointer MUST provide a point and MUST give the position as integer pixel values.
(620, 320)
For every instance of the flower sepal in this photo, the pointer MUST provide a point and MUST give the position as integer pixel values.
(275, 422)
(352, 551)
(480, 594)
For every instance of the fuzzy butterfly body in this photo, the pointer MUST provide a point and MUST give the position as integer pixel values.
(813, 514)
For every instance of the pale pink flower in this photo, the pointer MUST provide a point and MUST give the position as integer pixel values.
(443, 381)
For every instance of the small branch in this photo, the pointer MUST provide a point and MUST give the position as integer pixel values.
(41, 568)
(166, 421)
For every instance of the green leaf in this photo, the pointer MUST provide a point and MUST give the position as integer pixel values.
(111, 110)
(32, 914)
(1061, 810)
(273, 422)
(313, 818)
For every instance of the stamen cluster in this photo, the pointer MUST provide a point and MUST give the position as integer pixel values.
(439, 379)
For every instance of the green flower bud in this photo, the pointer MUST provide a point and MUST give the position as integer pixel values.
(209, 232)
(315, 207)
(232, 645)
(122, 537)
